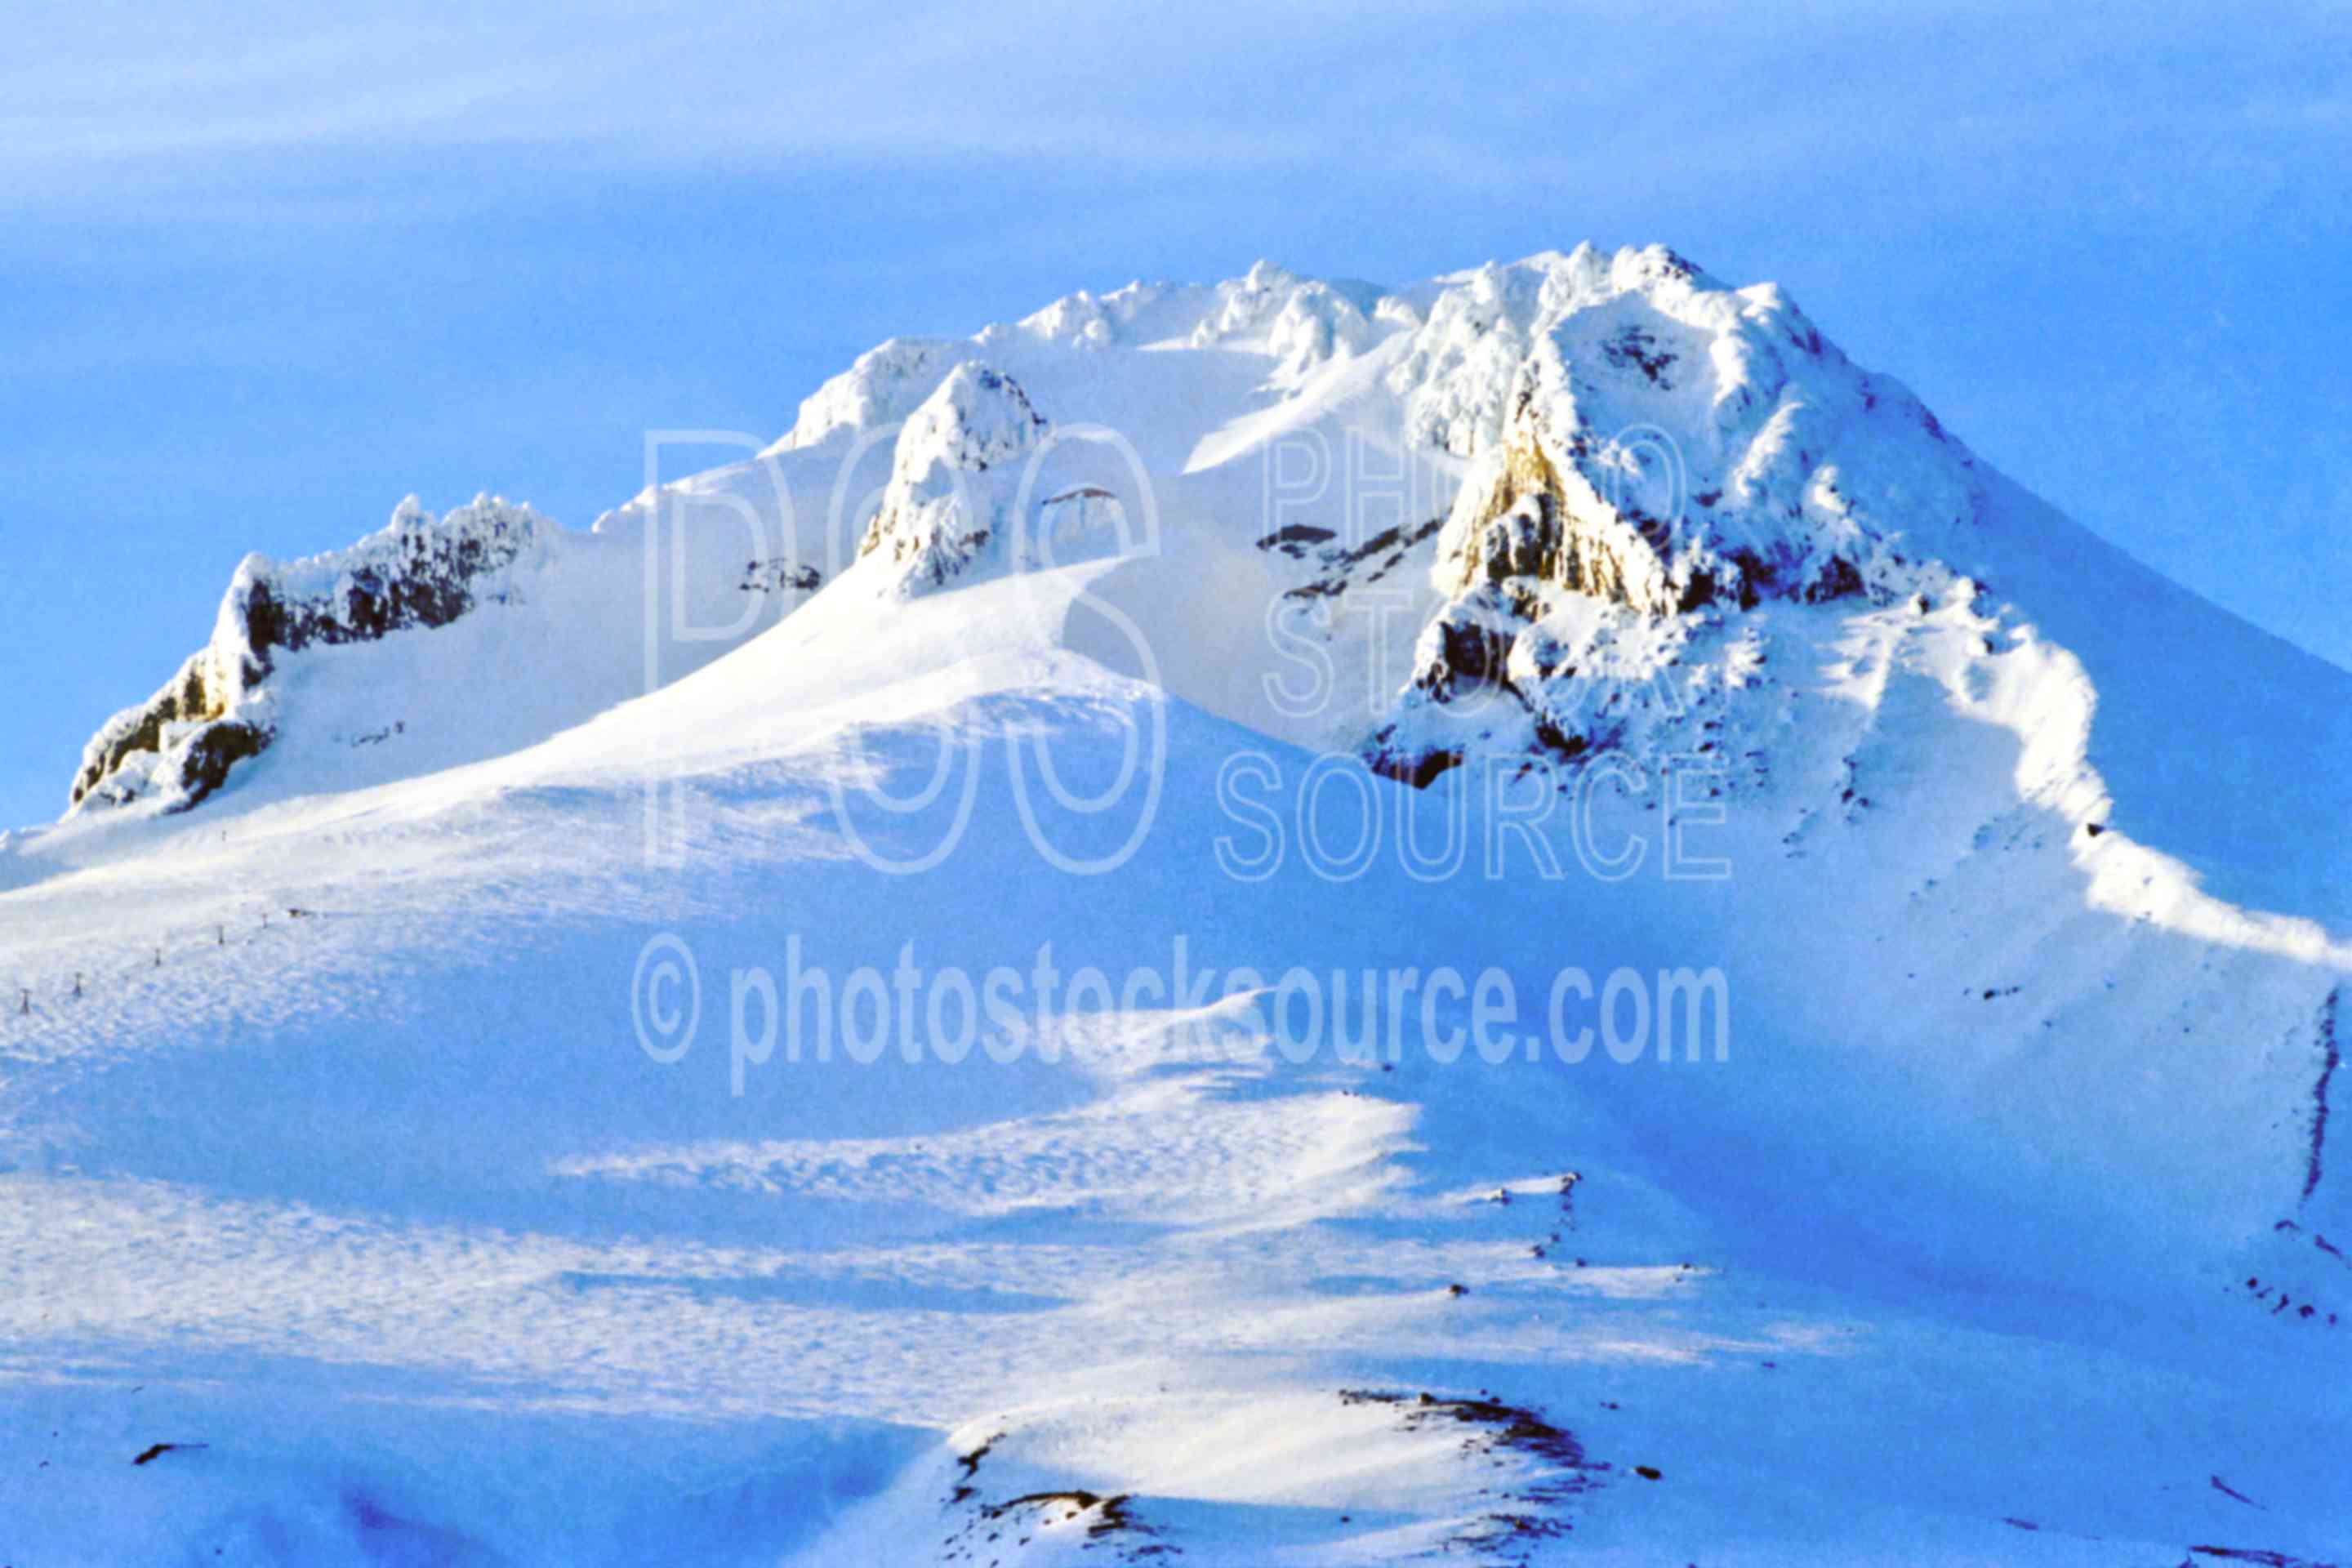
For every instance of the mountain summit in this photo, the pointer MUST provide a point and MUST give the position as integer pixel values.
(830, 1017)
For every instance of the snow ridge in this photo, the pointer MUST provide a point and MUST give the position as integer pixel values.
(177, 747)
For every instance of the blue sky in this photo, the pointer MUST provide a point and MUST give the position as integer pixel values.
(263, 272)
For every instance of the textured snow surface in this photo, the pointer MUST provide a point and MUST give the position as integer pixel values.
(2012, 1230)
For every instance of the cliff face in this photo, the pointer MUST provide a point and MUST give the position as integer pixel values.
(1529, 525)
(180, 742)
(416, 572)
(179, 745)
(1653, 458)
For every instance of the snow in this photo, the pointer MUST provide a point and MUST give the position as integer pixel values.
(1989, 1241)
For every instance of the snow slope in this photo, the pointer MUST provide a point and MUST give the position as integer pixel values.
(2006, 1232)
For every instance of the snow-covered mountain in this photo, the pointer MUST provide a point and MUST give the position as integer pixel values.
(1188, 629)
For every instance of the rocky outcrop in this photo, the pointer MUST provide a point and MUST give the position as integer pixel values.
(178, 746)
(946, 499)
(416, 572)
(1650, 453)
(1531, 523)
(184, 725)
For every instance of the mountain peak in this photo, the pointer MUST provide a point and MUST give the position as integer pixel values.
(974, 419)
(1725, 672)
(946, 499)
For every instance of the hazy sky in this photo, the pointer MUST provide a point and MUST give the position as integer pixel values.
(261, 274)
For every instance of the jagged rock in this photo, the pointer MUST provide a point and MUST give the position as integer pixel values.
(1529, 524)
(179, 745)
(1650, 452)
(947, 498)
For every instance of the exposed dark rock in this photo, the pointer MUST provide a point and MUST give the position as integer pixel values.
(1295, 540)
(1564, 1471)
(1837, 579)
(1354, 566)
(415, 573)
(780, 574)
(2330, 1059)
(210, 752)
(1419, 768)
(154, 1451)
